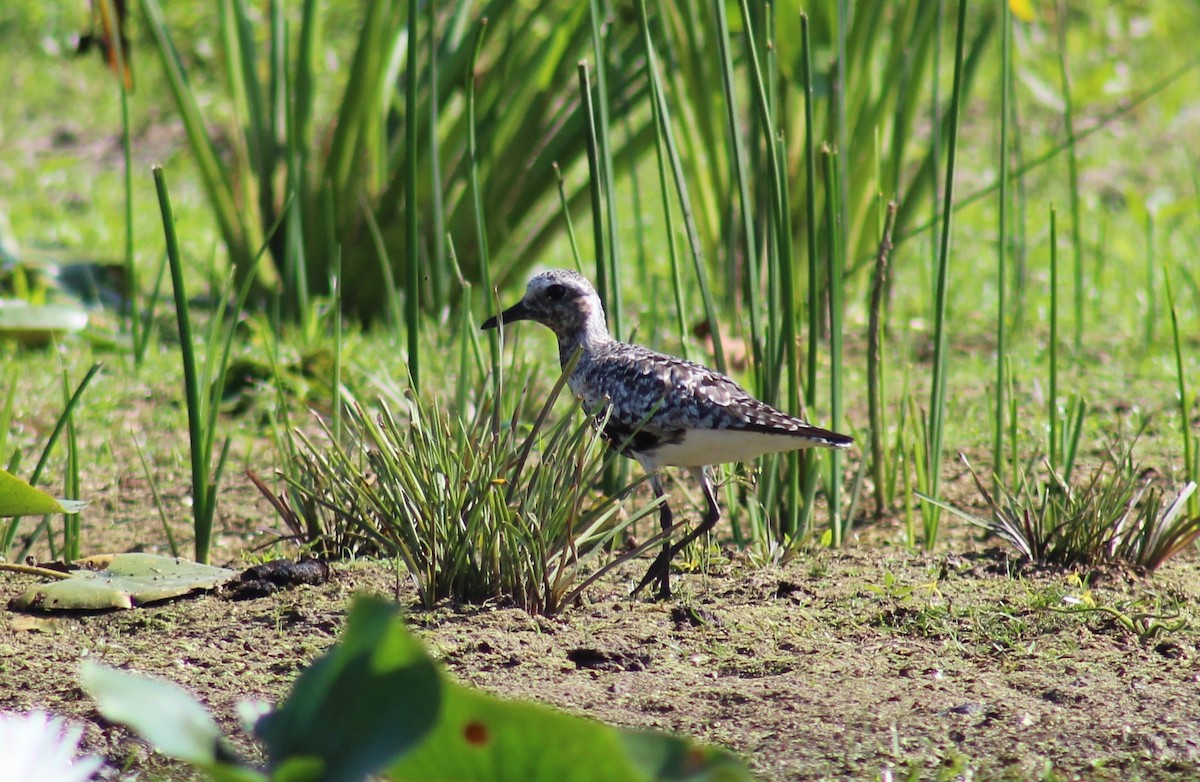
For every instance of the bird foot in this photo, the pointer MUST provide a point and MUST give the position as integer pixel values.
(659, 570)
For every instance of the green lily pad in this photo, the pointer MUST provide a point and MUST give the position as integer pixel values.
(18, 498)
(36, 325)
(122, 581)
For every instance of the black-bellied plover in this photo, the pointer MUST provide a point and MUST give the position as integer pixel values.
(662, 411)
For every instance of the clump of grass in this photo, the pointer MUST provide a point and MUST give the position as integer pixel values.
(474, 514)
(1116, 516)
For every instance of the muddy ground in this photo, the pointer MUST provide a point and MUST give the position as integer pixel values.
(867, 663)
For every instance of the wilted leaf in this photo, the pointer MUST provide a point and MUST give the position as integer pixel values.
(122, 581)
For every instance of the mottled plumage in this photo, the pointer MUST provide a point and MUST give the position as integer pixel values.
(662, 411)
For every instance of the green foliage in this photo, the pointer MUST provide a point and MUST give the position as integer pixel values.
(18, 498)
(22, 499)
(377, 701)
(375, 697)
(328, 173)
(204, 383)
(164, 714)
(1115, 516)
(468, 506)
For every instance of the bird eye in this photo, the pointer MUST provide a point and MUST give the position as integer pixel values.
(555, 292)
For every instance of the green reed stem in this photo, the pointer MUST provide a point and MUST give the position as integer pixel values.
(609, 179)
(412, 284)
(835, 269)
(1072, 171)
(1052, 400)
(879, 459)
(937, 402)
(1002, 247)
(1191, 464)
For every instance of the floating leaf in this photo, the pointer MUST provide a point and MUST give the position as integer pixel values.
(18, 498)
(122, 581)
(37, 325)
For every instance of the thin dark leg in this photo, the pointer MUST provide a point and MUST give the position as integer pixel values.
(710, 517)
(661, 567)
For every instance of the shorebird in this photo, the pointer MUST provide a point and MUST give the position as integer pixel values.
(660, 410)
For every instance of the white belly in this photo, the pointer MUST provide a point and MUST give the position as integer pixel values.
(719, 446)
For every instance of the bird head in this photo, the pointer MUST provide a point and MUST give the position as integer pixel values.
(560, 299)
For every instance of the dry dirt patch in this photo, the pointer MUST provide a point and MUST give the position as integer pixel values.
(840, 665)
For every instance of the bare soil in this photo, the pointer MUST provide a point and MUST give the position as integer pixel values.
(851, 664)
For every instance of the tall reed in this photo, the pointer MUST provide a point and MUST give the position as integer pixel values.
(934, 450)
(1002, 246)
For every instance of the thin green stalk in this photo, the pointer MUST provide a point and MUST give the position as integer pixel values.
(336, 380)
(796, 520)
(606, 171)
(566, 210)
(412, 293)
(158, 501)
(1002, 247)
(841, 82)
(191, 386)
(834, 275)
(875, 364)
(595, 188)
(6, 411)
(1020, 241)
(811, 228)
(1150, 317)
(71, 482)
(485, 265)
(938, 392)
(660, 150)
(935, 129)
(746, 207)
(1052, 400)
(1191, 464)
(1012, 414)
(395, 312)
(1072, 171)
(439, 271)
(134, 314)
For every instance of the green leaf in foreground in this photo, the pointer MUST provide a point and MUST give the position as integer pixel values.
(484, 739)
(165, 715)
(377, 700)
(122, 581)
(359, 707)
(18, 498)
